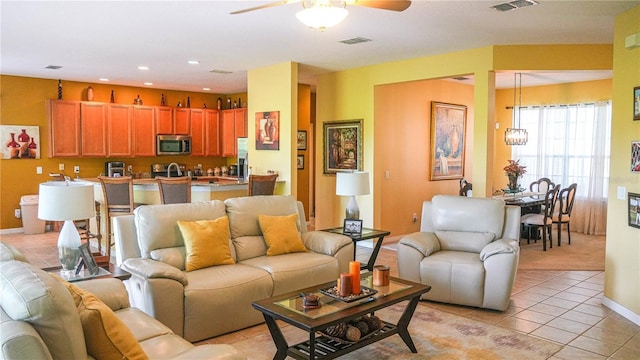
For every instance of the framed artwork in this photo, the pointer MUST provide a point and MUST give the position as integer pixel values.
(353, 227)
(342, 146)
(634, 210)
(87, 260)
(636, 103)
(300, 162)
(448, 126)
(302, 140)
(268, 130)
(20, 142)
(635, 157)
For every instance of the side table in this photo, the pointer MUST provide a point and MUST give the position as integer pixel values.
(367, 234)
(110, 271)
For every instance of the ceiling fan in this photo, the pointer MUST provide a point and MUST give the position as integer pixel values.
(394, 5)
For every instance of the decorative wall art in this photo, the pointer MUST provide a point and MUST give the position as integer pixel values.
(268, 130)
(300, 162)
(448, 126)
(20, 142)
(634, 210)
(302, 140)
(635, 156)
(636, 103)
(342, 146)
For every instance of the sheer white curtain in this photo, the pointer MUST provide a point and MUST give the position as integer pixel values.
(571, 144)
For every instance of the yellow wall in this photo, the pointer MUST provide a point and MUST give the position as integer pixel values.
(23, 103)
(275, 88)
(622, 264)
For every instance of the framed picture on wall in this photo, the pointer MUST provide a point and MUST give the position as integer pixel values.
(342, 146)
(635, 157)
(302, 140)
(448, 126)
(636, 103)
(634, 210)
(268, 130)
(300, 162)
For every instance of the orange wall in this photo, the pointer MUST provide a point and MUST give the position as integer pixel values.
(23, 103)
(304, 123)
(402, 137)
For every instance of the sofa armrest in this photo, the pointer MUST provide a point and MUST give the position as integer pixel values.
(324, 242)
(425, 242)
(110, 291)
(500, 246)
(148, 269)
(19, 340)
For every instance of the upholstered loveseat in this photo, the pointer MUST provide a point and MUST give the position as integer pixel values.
(467, 250)
(43, 317)
(214, 300)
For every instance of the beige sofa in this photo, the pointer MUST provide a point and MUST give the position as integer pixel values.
(215, 300)
(467, 250)
(40, 320)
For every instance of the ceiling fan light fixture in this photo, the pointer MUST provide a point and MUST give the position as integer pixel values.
(322, 14)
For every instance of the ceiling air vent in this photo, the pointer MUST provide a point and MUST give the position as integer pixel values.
(514, 5)
(356, 40)
(216, 71)
(53, 67)
(461, 78)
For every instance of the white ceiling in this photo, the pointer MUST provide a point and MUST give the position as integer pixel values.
(110, 39)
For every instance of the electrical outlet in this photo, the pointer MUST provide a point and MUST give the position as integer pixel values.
(415, 217)
(61, 167)
(39, 170)
(76, 169)
(17, 213)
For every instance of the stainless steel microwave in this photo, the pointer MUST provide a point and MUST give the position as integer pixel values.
(173, 145)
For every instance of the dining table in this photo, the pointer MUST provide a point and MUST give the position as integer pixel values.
(530, 202)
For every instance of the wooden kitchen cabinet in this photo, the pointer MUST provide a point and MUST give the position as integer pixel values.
(181, 121)
(93, 128)
(233, 126)
(64, 128)
(144, 129)
(212, 126)
(198, 132)
(120, 130)
(164, 120)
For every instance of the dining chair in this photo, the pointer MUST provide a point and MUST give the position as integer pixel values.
(118, 200)
(262, 184)
(174, 190)
(465, 188)
(541, 185)
(542, 221)
(562, 215)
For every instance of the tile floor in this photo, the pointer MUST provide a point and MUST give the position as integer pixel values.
(560, 306)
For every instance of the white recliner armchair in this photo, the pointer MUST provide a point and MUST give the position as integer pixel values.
(467, 251)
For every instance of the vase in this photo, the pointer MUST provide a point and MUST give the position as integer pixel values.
(90, 93)
(513, 183)
(14, 147)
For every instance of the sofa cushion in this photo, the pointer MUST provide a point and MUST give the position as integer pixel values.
(455, 277)
(106, 336)
(281, 234)
(461, 213)
(464, 240)
(10, 252)
(32, 295)
(157, 228)
(243, 212)
(206, 243)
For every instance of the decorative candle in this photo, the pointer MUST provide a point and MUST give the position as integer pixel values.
(354, 270)
(345, 284)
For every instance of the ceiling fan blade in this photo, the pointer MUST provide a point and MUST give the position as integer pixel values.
(395, 5)
(265, 6)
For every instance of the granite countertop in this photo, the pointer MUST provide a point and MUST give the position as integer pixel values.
(200, 180)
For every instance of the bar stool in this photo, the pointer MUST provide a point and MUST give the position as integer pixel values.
(118, 200)
(262, 184)
(174, 190)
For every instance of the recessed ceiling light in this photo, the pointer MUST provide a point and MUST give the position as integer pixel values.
(104, 79)
(206, 89)
(148, 83)
(143, 67)
(193, 62)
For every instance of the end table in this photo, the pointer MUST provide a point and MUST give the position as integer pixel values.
(367, 234)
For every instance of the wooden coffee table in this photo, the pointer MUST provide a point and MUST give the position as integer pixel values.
(288, 308)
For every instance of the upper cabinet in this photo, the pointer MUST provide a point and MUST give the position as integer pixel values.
(233, 126)
(119, 130)
(64, 128)
(144, 122)
(164, 120)
(182, 121)
(212, 127)
(93, 126)
(173, 120)
(198, 132)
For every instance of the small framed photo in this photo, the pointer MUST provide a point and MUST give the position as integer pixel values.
(302, 140)
(636, 103)
(87, 260)
(634, 210)
(352, 227)
(300, 162)
(635, 157)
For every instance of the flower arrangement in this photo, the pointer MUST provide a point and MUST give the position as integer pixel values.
(515, 169)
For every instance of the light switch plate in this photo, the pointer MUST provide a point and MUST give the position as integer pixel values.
(622, 193)
(61, 167)
(39, 170)
(76, 169)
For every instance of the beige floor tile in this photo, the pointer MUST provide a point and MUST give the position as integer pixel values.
(548, 309)
(569, 325)
(599, 310)
(582, 291)
(626, 354)
(593, 345)
(581, 317)
(608, 336)
(534, 316)
(634, 343)
(553, 284)
(589, 285)
(531, 296)
(554, 334)
(572, 297)
(521, 325)
(542, 290)
(571, 353)
(617, 323)
(561, 303)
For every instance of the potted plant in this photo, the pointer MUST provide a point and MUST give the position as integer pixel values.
(514, 171)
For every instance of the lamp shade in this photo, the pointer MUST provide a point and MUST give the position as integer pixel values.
(350, 184)
(63, 200)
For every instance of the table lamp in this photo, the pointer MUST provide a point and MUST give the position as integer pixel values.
(352, 184)
(66, 201)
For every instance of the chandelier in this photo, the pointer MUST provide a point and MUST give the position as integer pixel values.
(321, 14)
(513, 135)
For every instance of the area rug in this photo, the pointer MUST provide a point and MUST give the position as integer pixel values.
(436, 334)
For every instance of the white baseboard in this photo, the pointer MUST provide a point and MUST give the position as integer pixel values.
(11, 231)
(623, 311)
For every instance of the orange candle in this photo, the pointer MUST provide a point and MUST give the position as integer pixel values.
(354, 271)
